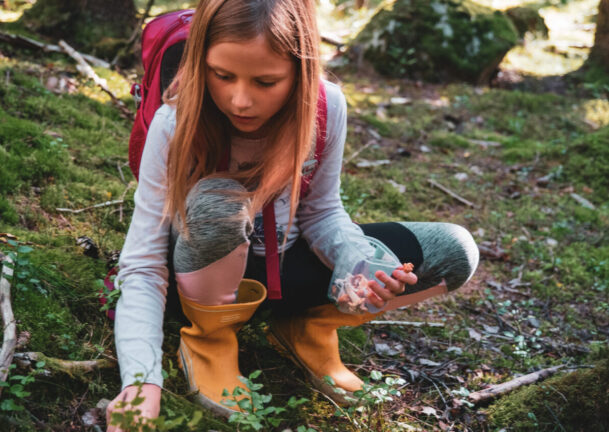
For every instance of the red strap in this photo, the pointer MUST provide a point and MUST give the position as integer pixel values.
(273, 280)
(320, 142)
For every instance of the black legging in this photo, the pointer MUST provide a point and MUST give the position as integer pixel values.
(305, 279)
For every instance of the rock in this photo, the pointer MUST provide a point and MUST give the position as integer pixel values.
(439, 40)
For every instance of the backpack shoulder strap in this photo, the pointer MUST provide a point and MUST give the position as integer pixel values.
(310, 166)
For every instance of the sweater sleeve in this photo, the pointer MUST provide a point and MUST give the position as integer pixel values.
(143, 273)
(325, 224)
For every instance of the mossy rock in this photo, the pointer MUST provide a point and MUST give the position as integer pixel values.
(441, 40)
(576, 401)
(527, 19)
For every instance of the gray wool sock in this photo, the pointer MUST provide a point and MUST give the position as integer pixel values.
(217, 223)
(449, 253)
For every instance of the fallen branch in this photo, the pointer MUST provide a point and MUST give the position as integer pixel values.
(451, 193)
(104, 204)
(31, 43)
(407, 323)
(503, 388)
(88, 71)
(70, 367)
(9, 339)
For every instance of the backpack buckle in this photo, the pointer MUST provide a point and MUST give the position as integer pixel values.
(309, 167)
(136, 91)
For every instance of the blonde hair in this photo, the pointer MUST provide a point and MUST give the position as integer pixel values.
(202, 131)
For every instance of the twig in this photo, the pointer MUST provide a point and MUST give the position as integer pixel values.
(31, 43)
(506, 387)
(120, 172)
(407, 323)
(88, 71)
(70, 367)
(358, 151)
(451, 193)
(9, 339)
(104, 204)
(120, 208)
(331, 40)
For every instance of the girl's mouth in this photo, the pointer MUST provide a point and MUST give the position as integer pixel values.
(243, 119)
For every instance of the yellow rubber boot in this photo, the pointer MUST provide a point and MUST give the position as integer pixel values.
(208, 352)
(311, 341)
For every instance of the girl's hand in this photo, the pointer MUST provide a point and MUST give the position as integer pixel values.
(378, 296)
(149, 408)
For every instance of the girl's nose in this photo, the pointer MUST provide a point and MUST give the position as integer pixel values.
(241, 98)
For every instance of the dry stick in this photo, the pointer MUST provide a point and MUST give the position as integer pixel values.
(88, 71)
(31, 43)
(9, 339)
(104, 204)
(120, 208)
(358, 151)
(503, 388)
(120, 172)
(408, 323)
(70, 367)
(451, 193)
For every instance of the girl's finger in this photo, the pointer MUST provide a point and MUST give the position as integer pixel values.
(392, 284)
(383, 293)
(408, 278)
(375, 300)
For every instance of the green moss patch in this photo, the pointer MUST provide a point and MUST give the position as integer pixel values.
(576, 401)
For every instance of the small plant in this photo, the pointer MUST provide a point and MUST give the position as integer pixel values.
(366, 411)
(14, 391)
(23, 271)
(255, 412)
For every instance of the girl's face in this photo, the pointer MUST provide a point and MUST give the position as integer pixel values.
(249, 82)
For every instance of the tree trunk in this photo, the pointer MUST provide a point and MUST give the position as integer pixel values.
(600, 51)
(92, 26)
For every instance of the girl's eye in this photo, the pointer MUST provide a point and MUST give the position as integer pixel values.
(222, 77)
(266, 83)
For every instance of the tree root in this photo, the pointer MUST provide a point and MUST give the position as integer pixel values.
(70, 367)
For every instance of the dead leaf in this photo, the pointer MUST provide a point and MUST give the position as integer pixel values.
(474, 334)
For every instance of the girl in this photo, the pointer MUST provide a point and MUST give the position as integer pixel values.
(238, 126)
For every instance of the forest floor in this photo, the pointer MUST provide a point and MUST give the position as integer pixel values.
(526, 160)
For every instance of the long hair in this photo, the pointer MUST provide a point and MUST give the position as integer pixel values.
(202, 132)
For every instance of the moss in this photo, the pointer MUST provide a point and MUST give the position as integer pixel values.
(586, 162)
(576, 401)
(439, 40)
(447, 140)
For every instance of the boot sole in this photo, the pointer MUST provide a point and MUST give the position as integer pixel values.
(201, 399)
(281, 345)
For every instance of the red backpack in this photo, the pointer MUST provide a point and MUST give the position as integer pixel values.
(163, 42)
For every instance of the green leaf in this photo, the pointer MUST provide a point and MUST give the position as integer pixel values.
(24, 249)
(376, 375)
(196, 418)
(255, 374)
(329, 380)
(10, 405)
